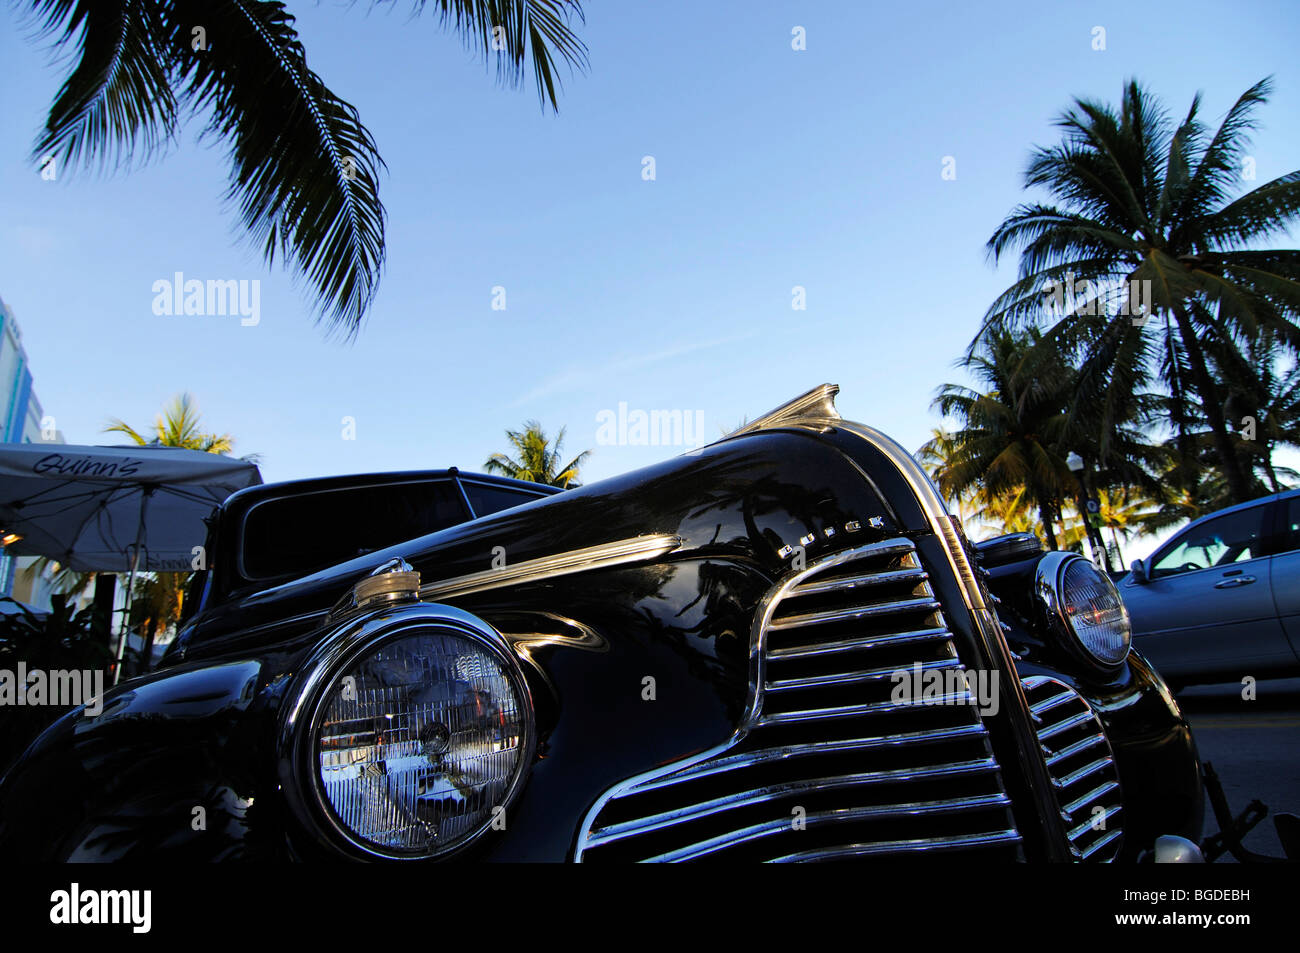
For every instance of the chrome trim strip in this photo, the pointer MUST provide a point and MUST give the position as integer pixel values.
(1100, 791)
(955, 699)
(886, 847)
(1083, 744)
(850, 583)
(1047, 704)
(864, 612)
(1061, 727)
(602, 556)
(784, 752)
(1107, 813)
(838, 816)
(859, 643)
(1080, 773)
(1101, 842)
(699, 809)
(853, 678)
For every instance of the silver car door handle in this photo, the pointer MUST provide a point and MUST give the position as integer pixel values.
(1234, 582)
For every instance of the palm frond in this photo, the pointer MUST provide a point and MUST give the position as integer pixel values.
(117, 99)
(515, 33)
(305, 170)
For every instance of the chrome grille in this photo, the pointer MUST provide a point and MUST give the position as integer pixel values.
(830, 762)
(1082, 767)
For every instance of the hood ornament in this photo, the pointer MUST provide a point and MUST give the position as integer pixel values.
(393, 581)
(818, 403)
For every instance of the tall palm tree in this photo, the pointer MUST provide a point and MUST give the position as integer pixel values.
(1011, 512)
(156, 599)
(1009, 436)
(936, 455)
(1263, 404)
(1138, 200)
(536, 458)
(304, 169)
(1124, 511)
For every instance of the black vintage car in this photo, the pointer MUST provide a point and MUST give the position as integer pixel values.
(779, 647)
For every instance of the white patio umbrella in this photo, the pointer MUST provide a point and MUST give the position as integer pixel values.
(114, 509)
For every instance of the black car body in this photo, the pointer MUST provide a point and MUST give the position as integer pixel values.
(701, 659)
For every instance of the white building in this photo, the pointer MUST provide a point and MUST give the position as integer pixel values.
(21, 421)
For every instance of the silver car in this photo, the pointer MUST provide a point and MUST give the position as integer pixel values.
(1221, 599)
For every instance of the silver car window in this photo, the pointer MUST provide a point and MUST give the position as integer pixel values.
(1231, 538)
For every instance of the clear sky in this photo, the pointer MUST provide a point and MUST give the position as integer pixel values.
(775, 168)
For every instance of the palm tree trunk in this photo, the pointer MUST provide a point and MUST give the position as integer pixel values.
(1268, 468)
(1045, 514)
(147, 655)
(1210, 403)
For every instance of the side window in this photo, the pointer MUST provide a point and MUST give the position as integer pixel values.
(1290, 524)
(1218, 542)
(487, 499)
(296, 535)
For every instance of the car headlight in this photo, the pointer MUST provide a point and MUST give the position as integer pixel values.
(1085, 610)
(409, 734)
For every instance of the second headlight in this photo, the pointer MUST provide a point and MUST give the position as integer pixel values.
(1084, 609)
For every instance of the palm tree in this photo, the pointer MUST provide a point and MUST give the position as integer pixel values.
(1140, 201)
(156, 600)
(62, 579)
(536, 459)
(156, 606)
(1263, 404)
(1124, 511)
(304, 169)
(1011, 512)
(935, 456)
(179, 425)
(1009, 435)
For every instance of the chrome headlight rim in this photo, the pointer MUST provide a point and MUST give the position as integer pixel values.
(1049, 589)
(309, 694)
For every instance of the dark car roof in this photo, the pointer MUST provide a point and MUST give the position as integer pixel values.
(248, 495)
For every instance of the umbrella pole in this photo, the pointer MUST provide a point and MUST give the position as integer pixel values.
(126, 616)
(130, 583)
